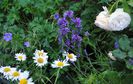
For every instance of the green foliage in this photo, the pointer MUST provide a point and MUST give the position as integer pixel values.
(32, 20)
(119, 54)
(124, 43)
(110, 77)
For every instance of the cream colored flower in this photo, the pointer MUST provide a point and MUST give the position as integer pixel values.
(111, 56)
(119, 20)
(40, 60)
(20, 57)
(70, 56)
(59, 64)
(102, 19)
(40, 53)
(116, 21)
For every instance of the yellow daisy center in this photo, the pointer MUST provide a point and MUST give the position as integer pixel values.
(15, 74)
(20, 57)
(40, 53)
(23, 81)
(70, 56)
(7, 69)
(40, 60)
(60, 64)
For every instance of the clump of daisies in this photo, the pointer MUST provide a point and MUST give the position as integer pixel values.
(11, 73)
(116, 21)
(62, 63)
(6, 71)
(40, 58)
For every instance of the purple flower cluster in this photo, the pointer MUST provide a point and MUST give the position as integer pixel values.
(64, 31)
(77, 22)
(69, 29)
(68, 14)
(76, 37)
(7, 37)
(62, 22)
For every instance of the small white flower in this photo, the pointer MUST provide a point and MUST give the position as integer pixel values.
(40, 60)
(20, 57)
(26, 81)
(111, 56)
(6, 71)
(102, 19)
(59, 64)
(70, 56)
(24, 78)
(15, 75)
(40, 53)
(119, 20)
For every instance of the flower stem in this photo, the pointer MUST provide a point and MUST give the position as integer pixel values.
(57, 76)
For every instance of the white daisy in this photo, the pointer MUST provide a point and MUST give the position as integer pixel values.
(20, 57)
(6, 71)
(59, 64)
(70, 56)
(23, 79)
(26, 81)
(15, 75)
(40, 53)
(40, 60)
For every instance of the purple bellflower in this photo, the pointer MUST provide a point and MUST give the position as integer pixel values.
(7, 37)
(27, 44)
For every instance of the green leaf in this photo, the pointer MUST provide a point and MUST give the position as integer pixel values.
(24, 2)
(128, 65)
(119, 54)
(124, 43)
(130, 3)
(126, 7)
(130, 53)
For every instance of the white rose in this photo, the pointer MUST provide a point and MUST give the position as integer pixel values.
(102, 19)
(119, 20)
